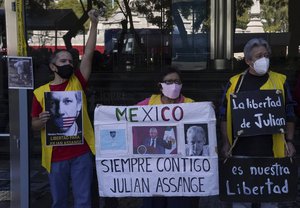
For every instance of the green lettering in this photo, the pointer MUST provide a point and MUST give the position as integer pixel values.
(131, 114)
(120, 113)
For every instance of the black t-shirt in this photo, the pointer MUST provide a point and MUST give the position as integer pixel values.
(260, 145)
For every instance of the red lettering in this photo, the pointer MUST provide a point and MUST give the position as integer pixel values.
(180, 113)
(163, 113)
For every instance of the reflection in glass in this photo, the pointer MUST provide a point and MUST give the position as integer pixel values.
(190, 34)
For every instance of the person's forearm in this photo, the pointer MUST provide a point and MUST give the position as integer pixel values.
(91, 42)
(37, 124)
(224, 135)
(290, 130)
(86, 62)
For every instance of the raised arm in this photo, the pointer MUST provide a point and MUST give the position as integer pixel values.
(86, 62)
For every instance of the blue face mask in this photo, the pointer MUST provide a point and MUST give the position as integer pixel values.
(65, 71)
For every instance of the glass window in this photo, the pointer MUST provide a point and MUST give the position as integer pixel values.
(145, 37)
(265, 19)
(190, 36)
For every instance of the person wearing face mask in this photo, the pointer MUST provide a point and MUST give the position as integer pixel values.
(257, 77)
(170, 89)
(170, 92)
(73, 162)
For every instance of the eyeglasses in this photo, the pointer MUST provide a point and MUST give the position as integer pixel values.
(258, 56)
(168, 82)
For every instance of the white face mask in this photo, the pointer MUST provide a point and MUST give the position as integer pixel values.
(261, 65)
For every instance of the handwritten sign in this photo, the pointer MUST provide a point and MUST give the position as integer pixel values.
(258, 112)
(258, 179)
(165, 176)
(159, 150)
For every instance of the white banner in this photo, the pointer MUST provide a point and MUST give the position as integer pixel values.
(159, 150)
